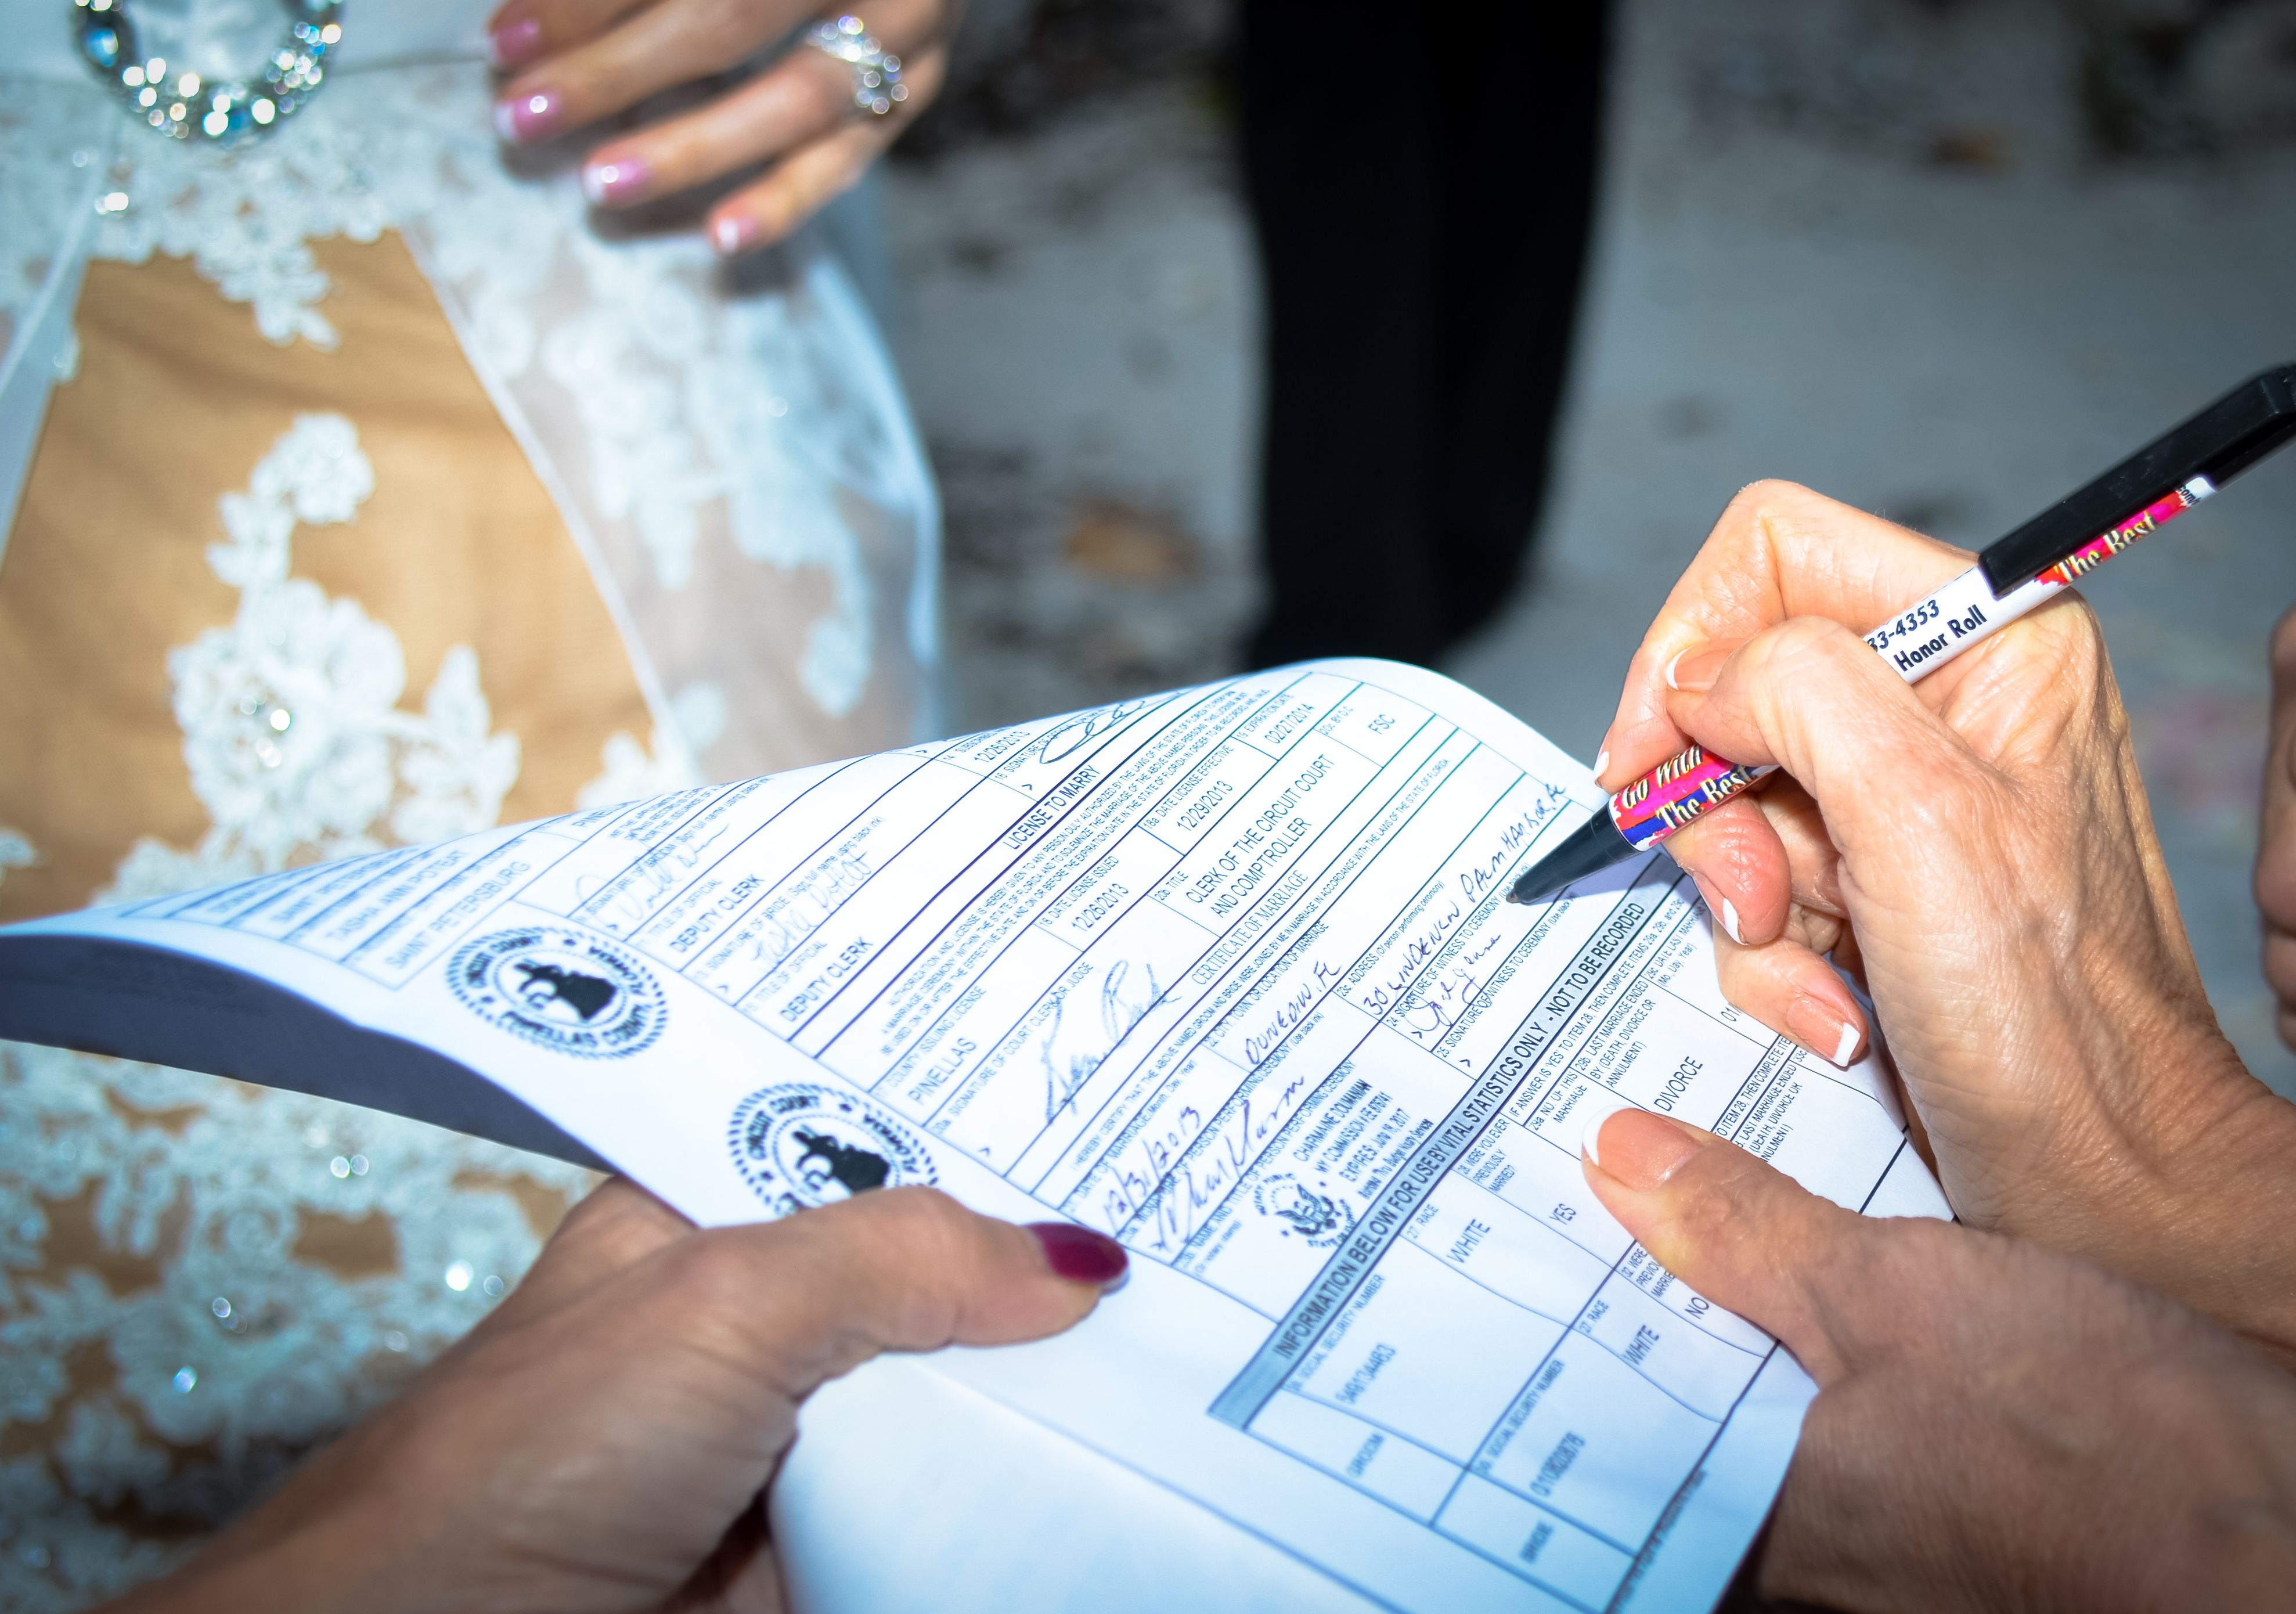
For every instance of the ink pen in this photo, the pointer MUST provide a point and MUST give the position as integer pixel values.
(2024, 571)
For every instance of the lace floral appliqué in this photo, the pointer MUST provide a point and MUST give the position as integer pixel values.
(291, 727)
(262, 1266)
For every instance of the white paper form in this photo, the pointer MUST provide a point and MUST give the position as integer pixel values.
(1225, 974)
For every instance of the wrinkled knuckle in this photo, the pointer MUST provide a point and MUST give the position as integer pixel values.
(927, 1226)
(1953, 804)
(1717, 1197)
(1803, 647)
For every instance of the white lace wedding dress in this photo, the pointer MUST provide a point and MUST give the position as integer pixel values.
(199, 1279)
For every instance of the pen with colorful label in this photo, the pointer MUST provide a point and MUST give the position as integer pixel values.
(2020, 573)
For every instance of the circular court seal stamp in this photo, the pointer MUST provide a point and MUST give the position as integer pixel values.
(1314, 1212)
(802, 1144)
(561, 988)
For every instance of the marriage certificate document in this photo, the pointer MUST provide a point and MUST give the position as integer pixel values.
(1226, 973)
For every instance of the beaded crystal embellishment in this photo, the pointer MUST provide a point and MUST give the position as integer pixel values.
(227, 111)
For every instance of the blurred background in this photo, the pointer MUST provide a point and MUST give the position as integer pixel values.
(1944, 260)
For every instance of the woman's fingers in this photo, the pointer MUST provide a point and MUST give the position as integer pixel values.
(675, 42)
(815, 1295)
(1773, 881)
(1812, 698)
(2276, 841)
(805, 96)
(803, 108)
(525, 31)
(1739, 865)
(653, 49)
(1778, 551)
(812, 176)
(614, 1228)
(1742, 1234)
(1789, 986)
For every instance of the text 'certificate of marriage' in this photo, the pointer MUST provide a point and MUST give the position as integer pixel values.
(1225, 974)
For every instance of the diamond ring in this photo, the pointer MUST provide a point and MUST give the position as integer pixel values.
(877, 87)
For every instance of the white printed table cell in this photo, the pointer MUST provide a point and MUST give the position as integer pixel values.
(971, 939)
(1561, 1116)
(1203, 796)
(1550, 965)
(747, 949)
(1282, 1196)
(1536, 1543)
(1208, 1194)
(1287, 717)
(885, 915)
(1599, 1444)
(1494, 852)
(1066, 1023)
(1684, 967)
(1387, 971)
(290, 906)
(796, 929)
(644, 823)
(933, 1069)
(1506, 1251)
(1147, 942)
(1395, 1470)
(348, 925)
(1699, 1369)
(1610, 996)
(442, 916)
(1908, 1189)
(1444, 999)
(227, 903)
(1223, 1121)
(1423, 1351)
(731, 837)
(1100, 896)
(1374, 722)
(1063, 743)
(656, 878)
(705, 910)
(1279, 1005)
(1268, 1241)
(985, 752)
(1123, 1193)
(1654, 1050)
(1641, 1269)
(1832, 1139)
(792, 826)
(1257, 839)
(1546, 1184)
(604, 884)
(1454, 828)
(1360, 1142)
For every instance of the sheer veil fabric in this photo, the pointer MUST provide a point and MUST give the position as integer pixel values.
(362, 489)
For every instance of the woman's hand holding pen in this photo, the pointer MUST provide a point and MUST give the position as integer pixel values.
(1978, 847)
(575, 63)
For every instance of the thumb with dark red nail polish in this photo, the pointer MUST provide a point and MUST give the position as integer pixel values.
(1082, 1256)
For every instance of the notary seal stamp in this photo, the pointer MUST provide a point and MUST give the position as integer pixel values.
(802, 1144)
(1313, 1212)
(564, 989)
